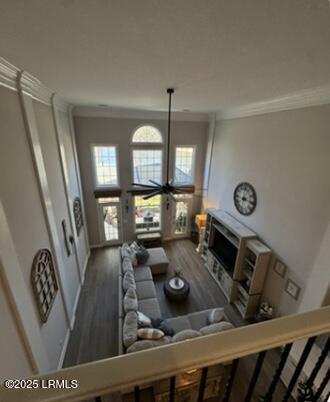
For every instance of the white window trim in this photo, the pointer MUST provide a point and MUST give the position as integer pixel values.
(153, 148)
(193, 166)
(147, 143)
(154, 230)
(103, 186)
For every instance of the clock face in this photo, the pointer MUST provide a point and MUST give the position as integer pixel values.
(245, 198)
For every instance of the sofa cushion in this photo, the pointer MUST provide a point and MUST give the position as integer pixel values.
(199, 319)
(130, 328)
(126, 265)
(216, 315)
(185, 334)
(129, 281)
(149, 307)
(150, 333)
(178, 323)
(157, 260)
(142, 273)
(130, 300)
(218, 327)
(147, 344)
(144, 321)
(145, 290)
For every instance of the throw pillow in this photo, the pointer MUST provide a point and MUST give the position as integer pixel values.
(142, 255)
(132, 255)
(128, 281)
(127, 265)
(144, 321)
(150, 333)
(134, 246)
(147, 344)
(185, 334)
(219, 327)
(166, 329)
(161, 324)
(130, 329)
(130, 300)
(124, 250)
(216, 315)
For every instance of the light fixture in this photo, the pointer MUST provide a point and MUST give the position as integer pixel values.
(168, 188)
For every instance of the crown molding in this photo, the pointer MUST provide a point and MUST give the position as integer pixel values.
(8, 74)
(295, 100)
(60, 103)
(32, 86)
(107, 112)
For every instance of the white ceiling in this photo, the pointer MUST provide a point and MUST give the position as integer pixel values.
(219, 54)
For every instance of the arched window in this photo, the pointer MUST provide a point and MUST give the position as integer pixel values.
(147, 134)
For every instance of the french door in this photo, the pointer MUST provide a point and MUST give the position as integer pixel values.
(181, 215)
(110, 222)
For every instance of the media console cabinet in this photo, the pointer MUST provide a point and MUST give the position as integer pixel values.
(236, 259)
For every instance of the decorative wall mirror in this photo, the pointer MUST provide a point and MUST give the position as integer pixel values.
(77, 212)
(44, 282)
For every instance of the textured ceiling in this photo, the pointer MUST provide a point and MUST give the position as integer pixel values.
(218, 54)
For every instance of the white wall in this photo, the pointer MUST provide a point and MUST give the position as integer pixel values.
(48, 143)
(118, 131)
(38, 182)
(285, 155)
(23, 208)
(15, 363)
(73, 181)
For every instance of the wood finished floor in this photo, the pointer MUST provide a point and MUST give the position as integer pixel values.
(95, 335)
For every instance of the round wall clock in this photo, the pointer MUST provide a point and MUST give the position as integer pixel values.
(245, 198)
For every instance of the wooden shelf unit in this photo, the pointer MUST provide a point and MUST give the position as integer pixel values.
(242, 285)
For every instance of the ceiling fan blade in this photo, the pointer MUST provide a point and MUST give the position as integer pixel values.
(146, 197)
(185, 189)
(178, 191)
(155, 183)
(144, 185)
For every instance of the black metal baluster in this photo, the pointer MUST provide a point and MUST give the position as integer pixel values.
(202, 384)
(299, 367)
(284, 355)
(230, 381)
(172, 389)
(255, 376)
(137, 393)
(305, 389)
(319, 363)
(322, 386)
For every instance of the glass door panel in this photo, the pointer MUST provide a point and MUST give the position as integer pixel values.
(110, 221)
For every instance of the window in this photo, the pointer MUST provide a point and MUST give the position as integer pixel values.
(184, 165)
(147, 213)
(105, 166)
(147, 134)
(147, 165)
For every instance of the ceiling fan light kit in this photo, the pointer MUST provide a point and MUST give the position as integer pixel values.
(169, 188)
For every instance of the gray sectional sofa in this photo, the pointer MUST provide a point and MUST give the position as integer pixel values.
(187, 326)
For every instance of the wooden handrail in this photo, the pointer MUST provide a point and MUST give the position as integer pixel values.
(122, 372)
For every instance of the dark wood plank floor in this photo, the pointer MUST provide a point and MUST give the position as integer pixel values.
(95, 335)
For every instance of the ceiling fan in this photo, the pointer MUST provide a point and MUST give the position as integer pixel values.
(169, 188)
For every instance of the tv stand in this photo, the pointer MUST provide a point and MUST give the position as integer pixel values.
(241, 284)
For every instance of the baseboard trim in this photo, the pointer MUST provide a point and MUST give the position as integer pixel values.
(85, 266)
(93, 246)
(65, 345)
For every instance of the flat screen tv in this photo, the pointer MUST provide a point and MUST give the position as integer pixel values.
(225, 251)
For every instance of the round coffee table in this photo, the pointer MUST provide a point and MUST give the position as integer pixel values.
(176, 291)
